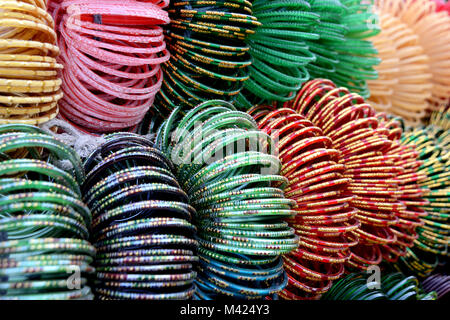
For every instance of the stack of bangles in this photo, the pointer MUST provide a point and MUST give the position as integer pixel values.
(279, 51)
(430, 29)
(111, 51)
(44, 225)
(227, 167)
(343, 54)
(141, 222)
(438, 283)
(433, 144)
(324, 220)
(404, 84)
(29, 82)
(209, 57)
(392, 286)
(410, 192)
(354, 130)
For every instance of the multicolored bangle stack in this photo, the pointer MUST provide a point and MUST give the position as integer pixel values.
(111, 51)
(227, 167)
(279, 51)
(410, 192)
(29, 83)
(209, 59)
(354, 130)
(393, 286)
(432, 143)
(141, 222)
(324, 219)
(44, 226)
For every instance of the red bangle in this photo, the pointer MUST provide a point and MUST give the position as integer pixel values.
(324, 221)
(384, 183)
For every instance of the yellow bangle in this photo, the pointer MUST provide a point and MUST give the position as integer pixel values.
(28, 8)
(34, 119)
(21, 99)
(29, 84)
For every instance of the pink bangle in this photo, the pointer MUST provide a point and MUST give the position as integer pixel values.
(112, 67)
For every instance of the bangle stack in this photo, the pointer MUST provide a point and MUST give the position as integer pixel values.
(438, 283)
(141, 222)
(342, 53)
(404, 84)
(354, 130)
(227, 167)
(209, 57)
(111, 51)
(411, 194)
(44, 225)
(393, 286)
(324, 219)
(29, 82)
(430, 30)
(279, 51)
(432, 143)
(299, 40)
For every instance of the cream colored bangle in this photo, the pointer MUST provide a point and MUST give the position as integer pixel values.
(44, 47)
(19, 99)
(32, 9)
(404, 86)
(34, 119)
(30, 110)
(432, 30)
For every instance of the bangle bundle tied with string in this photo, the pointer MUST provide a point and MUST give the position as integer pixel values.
(231, 175)
(209, 56)
(324, 219)
(111, 51)
(44, 225)
(29, 82)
